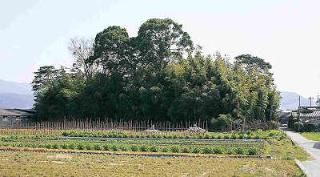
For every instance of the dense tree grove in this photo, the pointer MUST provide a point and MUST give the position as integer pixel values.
(157, 75)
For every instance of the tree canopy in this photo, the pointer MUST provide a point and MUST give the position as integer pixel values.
(156, 75)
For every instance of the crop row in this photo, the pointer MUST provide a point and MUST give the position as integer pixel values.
(145, 134)
(142, 148)
(153, 142)
(115, 134)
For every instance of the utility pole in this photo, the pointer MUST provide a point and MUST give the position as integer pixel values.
(310, 101)
(299, 108)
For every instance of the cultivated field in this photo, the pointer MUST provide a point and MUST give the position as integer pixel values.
(52, 164)
(146, 153)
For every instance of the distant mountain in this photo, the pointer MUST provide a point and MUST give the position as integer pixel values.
(290, 101)
(15, 95)
(13, 100)
(15, 87)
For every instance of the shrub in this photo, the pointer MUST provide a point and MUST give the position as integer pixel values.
(252, 151)
(213, 137)
(106, 147)
(55, 146)
(154, 149)
(271, 134)
(175, 149)
(88, 147)
(71, 146)
(114, 148)
(123, 148)
(195, 150)
(218, 150)
(239, 151)
(273, 125)
(185, 150)
(80, 147)
(144, 148)
(309, 127)
(207, 150)
(165, 149)
(230, 151)
(97, 147)
(226, 137)
(221, 123)
(64, 146)
(234, 136)
(134, 148)
(298, 126)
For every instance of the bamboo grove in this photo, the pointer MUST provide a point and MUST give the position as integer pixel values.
(158, 75)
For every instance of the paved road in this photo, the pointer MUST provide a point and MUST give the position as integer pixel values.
(311, 166)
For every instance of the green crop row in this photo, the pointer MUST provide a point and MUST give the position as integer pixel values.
(142, 148)
(269, 134)
(173, 135)
(160, 144)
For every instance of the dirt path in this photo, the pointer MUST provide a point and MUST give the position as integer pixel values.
(312, 167)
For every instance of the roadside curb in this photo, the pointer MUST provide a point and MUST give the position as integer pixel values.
(304, 170)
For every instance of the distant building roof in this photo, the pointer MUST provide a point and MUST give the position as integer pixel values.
(4, 112)
(308, 115)
(313, 114)
(15, 112)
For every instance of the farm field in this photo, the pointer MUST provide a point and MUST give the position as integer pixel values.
(53, 164)
(312, 135)
(129, 153)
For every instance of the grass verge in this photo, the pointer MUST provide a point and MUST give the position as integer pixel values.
(315, 136)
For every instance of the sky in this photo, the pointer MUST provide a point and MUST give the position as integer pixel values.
(285, 33)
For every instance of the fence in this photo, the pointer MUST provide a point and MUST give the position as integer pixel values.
(106, 125)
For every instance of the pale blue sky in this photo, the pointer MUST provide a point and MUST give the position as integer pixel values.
(284, 32)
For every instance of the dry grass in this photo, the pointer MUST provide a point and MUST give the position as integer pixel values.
(53, 164)
(284, 149)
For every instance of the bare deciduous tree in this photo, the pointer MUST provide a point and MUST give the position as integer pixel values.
(81, 49)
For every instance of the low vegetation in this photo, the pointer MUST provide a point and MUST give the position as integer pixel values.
(176, 145)
(312, 135)
(147, 153)
(53, 164)
(272, 143)
(174, 135)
